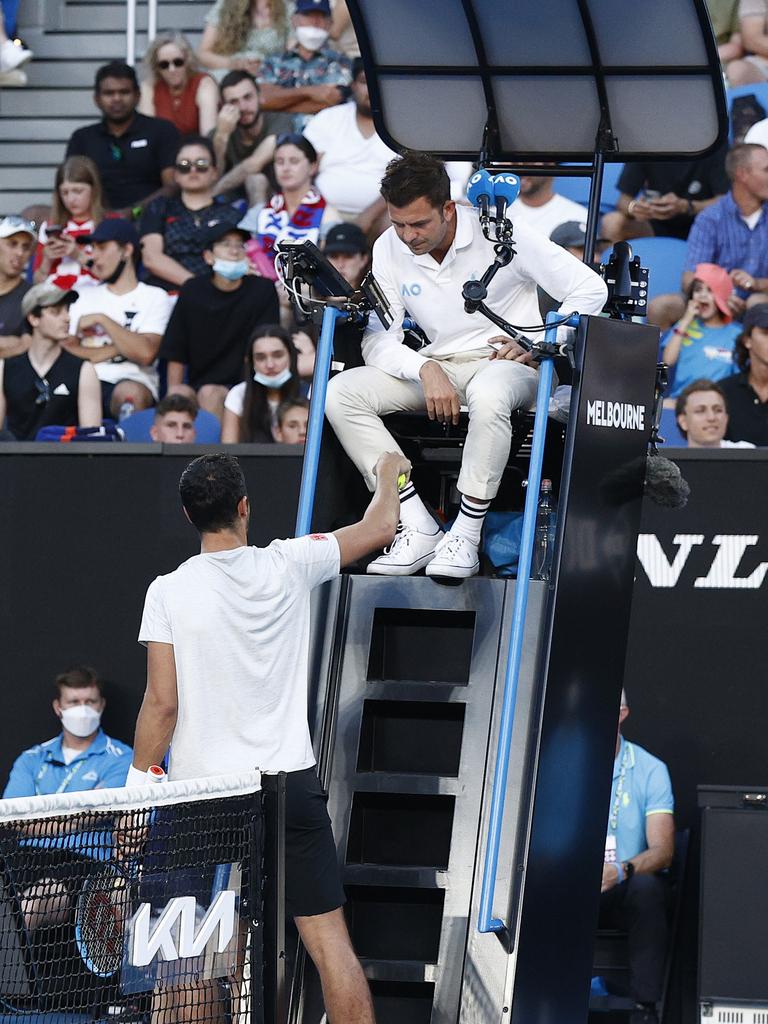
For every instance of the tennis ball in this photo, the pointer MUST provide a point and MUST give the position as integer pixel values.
(402, 480)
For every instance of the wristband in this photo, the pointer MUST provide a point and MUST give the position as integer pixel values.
(683, 334)
(619, 871)
(136, 777)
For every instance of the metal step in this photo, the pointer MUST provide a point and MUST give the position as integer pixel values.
(29, 154)
(53, 102)
(34, 178)
(88, 17)
(15, 202)
(54, 129)
(55, 74)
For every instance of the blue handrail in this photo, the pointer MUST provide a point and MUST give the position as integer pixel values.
(315, 423)
(487, 923)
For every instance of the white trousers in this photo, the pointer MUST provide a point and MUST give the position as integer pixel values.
(490, 388)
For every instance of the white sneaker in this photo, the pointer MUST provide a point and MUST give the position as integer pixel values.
(455, 557)
(12, 56)
(408, 552)
(15, 77)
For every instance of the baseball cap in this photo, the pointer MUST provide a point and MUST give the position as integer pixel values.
(113, 229)
(572, 234)
(221, 228)
(719, 282)
(46, 294)
(347, 238)
(15, 225)
(756, 316)
(308, 6)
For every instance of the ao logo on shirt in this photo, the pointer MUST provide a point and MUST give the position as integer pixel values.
(411, 289)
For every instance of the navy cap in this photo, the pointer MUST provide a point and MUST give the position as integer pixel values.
(571, 234)
(221, 228)
(756, 316)
(112, 229)
(308, 6)
(348, 238)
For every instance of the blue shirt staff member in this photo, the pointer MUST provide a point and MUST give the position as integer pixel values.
(421, 263)
(640, 842)
(81, 757)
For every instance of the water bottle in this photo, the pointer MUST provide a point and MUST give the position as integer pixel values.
(544, 542)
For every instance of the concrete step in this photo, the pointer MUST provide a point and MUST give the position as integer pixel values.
(51, 102)
(87, 17)
(31, 154)
(100, 46)
(15, 202)
(57, 129)
(57, 73)
(33, 178)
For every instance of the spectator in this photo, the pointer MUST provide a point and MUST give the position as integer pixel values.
(703, 340)
(175, 88)
(118, 324)
(304, 339)
(12, 55)
(215, 315)
(82, 756)
(640, 842)
(663, 198)
(351, 156)
(244, 138)
(174, 229)
(754, 41)
(702, 416)
(733, 232)
(348, 251)
(174, 421)
(746, 393)
(572, 235)
(296, 212)
(47, 385)
(539, 206)
(271, 378)
(310, 76)
(342, 33)
(134, 153)
(292, 417)
(724, 15)
(17, 243)
(76, 209)
(240, 34)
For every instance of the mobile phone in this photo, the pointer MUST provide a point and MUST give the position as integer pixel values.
(650, 194)
(53, 230)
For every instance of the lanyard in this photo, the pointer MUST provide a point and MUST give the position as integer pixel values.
(613, 821)
(75, 768)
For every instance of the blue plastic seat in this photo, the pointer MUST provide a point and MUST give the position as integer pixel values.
(759, 90)
(665, 258)
(670, 431)
(577, 189)
(136, 427)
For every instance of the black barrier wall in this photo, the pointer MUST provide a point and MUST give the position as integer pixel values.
(84, 531)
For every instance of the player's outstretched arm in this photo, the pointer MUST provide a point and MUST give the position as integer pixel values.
(377, 527)
(157, 717)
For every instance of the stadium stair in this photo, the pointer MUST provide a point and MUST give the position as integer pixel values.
(70, 40)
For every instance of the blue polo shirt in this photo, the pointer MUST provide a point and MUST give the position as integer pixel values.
(720, 235)
(646, 790)
(41, 770)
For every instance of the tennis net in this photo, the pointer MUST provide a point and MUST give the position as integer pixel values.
(140, 906)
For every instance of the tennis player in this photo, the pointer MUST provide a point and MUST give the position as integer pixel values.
(227, 636)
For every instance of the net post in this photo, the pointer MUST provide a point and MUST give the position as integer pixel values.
(275, 986)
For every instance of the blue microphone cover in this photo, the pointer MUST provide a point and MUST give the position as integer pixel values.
(479, 185)
(506, 186)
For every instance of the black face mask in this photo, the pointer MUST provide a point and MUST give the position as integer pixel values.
(115, 275)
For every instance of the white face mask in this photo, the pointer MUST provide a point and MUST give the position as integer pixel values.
(311, 37)
(81, 720)
(273, 382)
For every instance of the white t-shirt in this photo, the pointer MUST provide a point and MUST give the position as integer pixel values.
(351, 167)
(736, 444)
(235, 402)
(758, 133)
(145, 310)
(239, 624)
(551, 215)
(431, 292)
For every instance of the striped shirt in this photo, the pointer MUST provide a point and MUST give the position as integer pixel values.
(720, 235)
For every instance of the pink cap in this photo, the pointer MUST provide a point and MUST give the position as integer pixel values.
(719, 282)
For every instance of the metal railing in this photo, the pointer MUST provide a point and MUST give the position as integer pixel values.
(130, 27)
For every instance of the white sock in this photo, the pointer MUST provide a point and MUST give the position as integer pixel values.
(469, 521)
(413, 511)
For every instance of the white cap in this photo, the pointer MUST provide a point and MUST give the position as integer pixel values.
(15, 225)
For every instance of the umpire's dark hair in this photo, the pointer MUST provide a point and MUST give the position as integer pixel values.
(211, 488)
(414, 175)
(115, 69)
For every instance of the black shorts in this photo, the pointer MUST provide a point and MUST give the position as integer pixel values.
(312, 878)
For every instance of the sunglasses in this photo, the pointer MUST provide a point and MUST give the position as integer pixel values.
(43, 391)
(177, 62)
(185, 166)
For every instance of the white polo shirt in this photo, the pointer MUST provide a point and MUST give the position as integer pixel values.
(559, 210)
(431, 292)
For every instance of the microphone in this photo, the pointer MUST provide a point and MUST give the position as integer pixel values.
(506, 189)
(480, 194)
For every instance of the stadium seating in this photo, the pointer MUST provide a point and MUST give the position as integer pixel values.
(665, 258)
(577, 189)
(136, 427)
(758, 89)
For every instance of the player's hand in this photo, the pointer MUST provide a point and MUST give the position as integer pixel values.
(743, 279)
(610, 877)
(227, 120)
(392, 464)
(440, 395)
(509, 350)
(131, 833)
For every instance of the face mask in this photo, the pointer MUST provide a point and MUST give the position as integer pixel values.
(80, 721)
(273, 382)
(232, 270)
(115, 275)
(310, 37)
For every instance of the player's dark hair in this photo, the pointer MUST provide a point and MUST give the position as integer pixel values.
(116, 69)
(211, 488)
(233, 78)
(408, 178)
(78, 677)
(702, 384)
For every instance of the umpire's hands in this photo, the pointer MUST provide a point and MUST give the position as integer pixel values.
(441, 396)
(509, 350)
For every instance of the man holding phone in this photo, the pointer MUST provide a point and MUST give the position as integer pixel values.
(663, 198)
